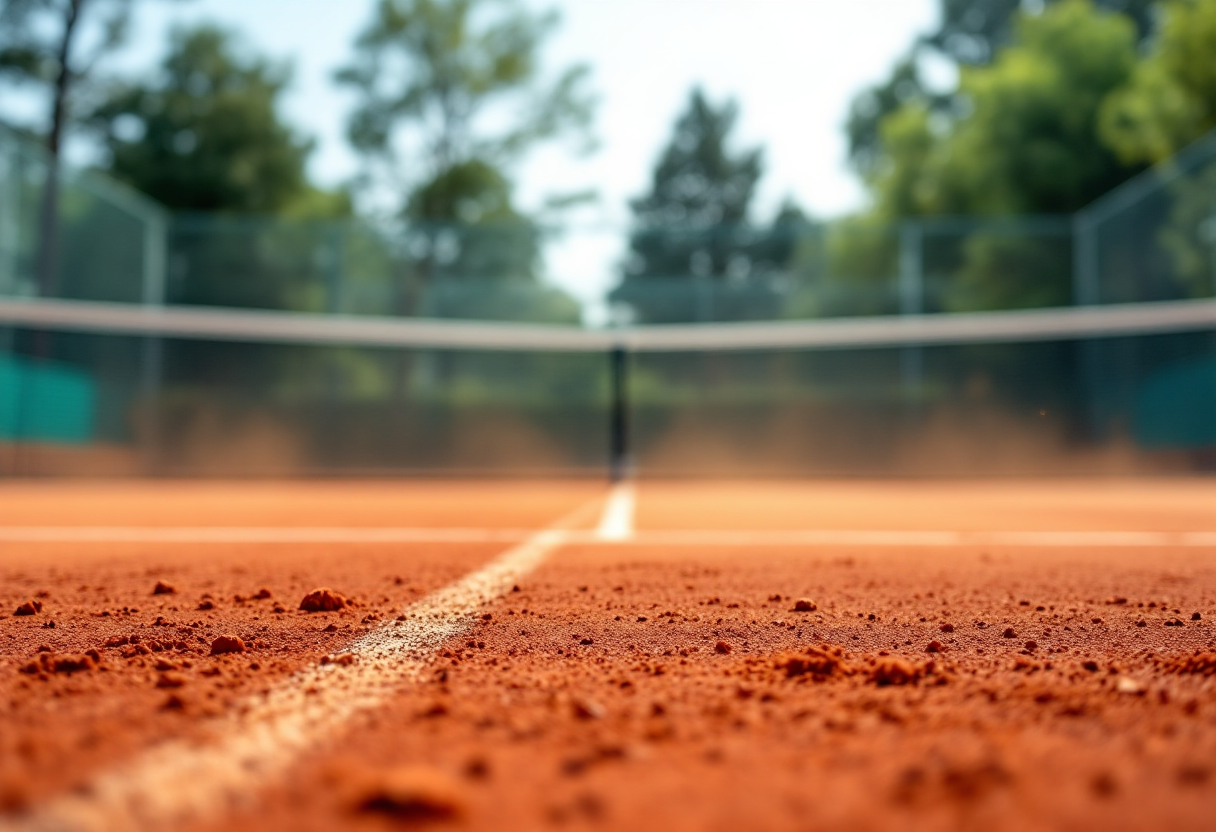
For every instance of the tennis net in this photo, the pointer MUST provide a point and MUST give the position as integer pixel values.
(110, 388)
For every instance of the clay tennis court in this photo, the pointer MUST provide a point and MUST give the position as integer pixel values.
(668, 655)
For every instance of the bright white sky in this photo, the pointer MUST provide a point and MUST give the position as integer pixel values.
(793, 65)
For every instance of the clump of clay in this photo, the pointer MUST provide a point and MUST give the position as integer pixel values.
(890, 670)
(818, 663)
(262, 594)
(414, 793)
(584, 708)
(163, 588)
(1200, 664)
(323, 600)
(227, 644)
(30, 607)
(46, 663)
(805, 605)
(170, 680)
(722, 647)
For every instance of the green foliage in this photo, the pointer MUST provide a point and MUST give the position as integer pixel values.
(700, 180)
(1030, 143)
(468, 192)
(1171, 100)
(1028, 131)
(314, 203)
(1190, 233)
(971, 33)
(459, 83)
(691, 232)
(905, 88)
(39, 47)
(438, 76)
(205, 135)
(1170, 103)
(1002, 271)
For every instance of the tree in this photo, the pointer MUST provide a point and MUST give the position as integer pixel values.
(459, 83)
(40, 47)
(1170, 103)
(1026, 142)
(1171, 100)
(869, 108)
(700, 180)
(971, 33)
(692, 229)
(481, 256)
(205, 133)
(1030, 143)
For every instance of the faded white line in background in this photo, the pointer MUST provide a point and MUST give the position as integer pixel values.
(615, 526)
(257, 534)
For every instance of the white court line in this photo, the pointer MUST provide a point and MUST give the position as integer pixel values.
(616, 523)
(182, 782)
(256, 534)
(919, 538)
(615, 526)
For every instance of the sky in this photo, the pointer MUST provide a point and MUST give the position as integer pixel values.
(793, 66)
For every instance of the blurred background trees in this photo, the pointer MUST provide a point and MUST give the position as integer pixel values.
(1051, 110)
(693, 239)
(204, 134)
(1007, 109)
(58, 47)
(456, 87)
(457, 83)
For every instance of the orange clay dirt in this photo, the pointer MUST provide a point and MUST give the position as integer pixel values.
(1066, 683)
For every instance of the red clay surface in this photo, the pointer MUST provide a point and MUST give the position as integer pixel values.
(1012, 505)
(639, 687)
(440, 504)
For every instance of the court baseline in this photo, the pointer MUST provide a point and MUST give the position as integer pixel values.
(615, 528)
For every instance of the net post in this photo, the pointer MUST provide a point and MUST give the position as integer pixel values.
(911, 288)
(152, 294)
(618, 417)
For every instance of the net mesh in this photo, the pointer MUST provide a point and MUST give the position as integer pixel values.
(180, 403)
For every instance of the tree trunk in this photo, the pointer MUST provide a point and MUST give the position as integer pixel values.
(48, 217)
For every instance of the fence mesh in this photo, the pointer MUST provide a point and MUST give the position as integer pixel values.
(180, 402)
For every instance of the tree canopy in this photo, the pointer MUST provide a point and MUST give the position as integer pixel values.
(459, 85)
(205, 133)
(974, 31)
(700, 179)
(40, 47)
(1029, 141)
(696, 223)
(970, 33)
(1171, 99)
(1075, 103)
